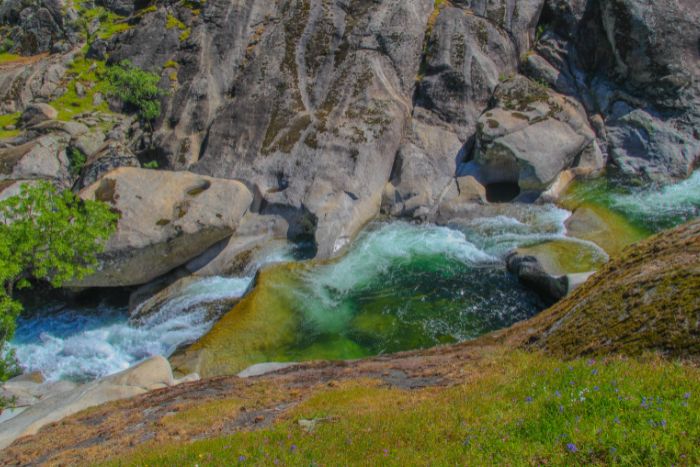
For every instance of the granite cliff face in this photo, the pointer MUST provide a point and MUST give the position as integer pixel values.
(332, 111)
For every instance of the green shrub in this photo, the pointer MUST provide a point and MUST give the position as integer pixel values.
(136, 88)
(77, 160)
(49, 236)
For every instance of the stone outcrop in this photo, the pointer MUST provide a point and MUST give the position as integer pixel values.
(330, 111)
(54, 401)
(530, 136)
(634, 66)
(167, 218)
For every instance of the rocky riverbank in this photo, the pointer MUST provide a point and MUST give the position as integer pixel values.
(293, 125)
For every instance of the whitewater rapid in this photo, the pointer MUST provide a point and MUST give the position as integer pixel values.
(85, 343)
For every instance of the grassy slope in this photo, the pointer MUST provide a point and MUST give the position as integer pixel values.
(520, 408)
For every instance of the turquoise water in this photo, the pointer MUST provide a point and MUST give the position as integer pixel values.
(651, 207)
(400, 286)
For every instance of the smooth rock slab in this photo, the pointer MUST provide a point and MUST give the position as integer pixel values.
(264, 368)
(151, 374)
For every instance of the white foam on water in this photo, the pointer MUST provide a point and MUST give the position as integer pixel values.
(376, 250)
(83, 344)
(681, 201)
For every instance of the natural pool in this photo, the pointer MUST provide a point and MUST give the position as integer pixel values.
(400, 286)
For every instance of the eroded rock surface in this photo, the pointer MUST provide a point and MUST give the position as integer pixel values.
(167, 218)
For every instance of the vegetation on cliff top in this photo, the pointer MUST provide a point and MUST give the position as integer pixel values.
(518, 408)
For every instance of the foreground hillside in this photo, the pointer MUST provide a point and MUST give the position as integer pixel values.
(485, 401)
(647, 299)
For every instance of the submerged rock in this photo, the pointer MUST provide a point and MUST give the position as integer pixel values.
(531, 273)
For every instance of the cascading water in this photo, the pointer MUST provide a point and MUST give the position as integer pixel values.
(652, 208)
(664, 208)
(86, 343)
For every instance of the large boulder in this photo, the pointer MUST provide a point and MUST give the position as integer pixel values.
(530, 136)
(167, 218)
(42, 158)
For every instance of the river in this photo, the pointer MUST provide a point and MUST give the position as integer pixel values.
(399, 286)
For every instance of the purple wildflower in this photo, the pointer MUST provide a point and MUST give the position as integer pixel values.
(561, 408)
(663, 423)
(241, 458)
(557, 393)
(293, 447)
(591, 362)
(616, 421)
(528, 399)
(571, 447)
(594, 371)
(686, 395)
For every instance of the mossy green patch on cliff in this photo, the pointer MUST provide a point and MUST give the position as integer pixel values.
(9, 120)
(88, 75)
(173, 22)
(108, 22)
(512, 408)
